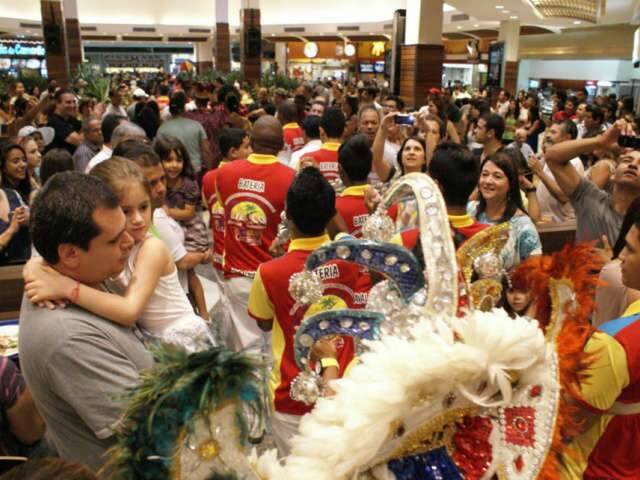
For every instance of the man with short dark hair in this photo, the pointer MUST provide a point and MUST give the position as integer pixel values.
(92, 131)
(391, 104)
(79, 366)
(609, 399)
(593, 120)
(109, 124)
(554, 203)
(212, 124)
(599, 214)
(310, 207)
(354, 166)
(317, 108)
(369, 122)
(313, 143)
(64, 123)
(502, 105)
(332, 127)
(115, 107)
(489, 133)
(189, 132)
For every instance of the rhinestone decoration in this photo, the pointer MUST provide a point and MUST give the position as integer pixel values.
(366, 254)
(306, 341)
(346, 323)
(427, 193)
(305, 287)
(358, 324)
(488, 265)
(404, 268)
(343, 252)
(208, 450)
(391, 260)
(307, 388)
(379, 227)
(520, 429)
(408, 282)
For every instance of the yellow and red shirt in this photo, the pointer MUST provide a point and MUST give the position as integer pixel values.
(293, 136)
(327, 160)
(216, 210)
(270, 300)
(463, 227)
(609, 449)
(352, 209)
(252, 193)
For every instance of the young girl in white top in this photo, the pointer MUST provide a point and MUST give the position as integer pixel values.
(149, 291)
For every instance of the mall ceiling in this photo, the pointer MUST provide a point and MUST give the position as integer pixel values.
(168, 20)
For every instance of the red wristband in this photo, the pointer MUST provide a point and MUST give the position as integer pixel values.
(75, 293)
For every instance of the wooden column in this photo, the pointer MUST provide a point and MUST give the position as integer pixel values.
(53, 29)
(223, 47)
(74, 44)
(250, 44)
(420, 70)
(511, 77)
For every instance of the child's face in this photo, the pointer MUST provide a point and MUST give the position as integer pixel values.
(173, 165)
(243, 151)
(519, 300)
(136, 205)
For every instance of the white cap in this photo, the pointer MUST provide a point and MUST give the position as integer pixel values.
(139, 93)
(47, 133)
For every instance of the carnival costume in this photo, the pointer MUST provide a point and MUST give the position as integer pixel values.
(443, 390)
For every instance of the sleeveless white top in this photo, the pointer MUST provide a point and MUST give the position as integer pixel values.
(168, 315)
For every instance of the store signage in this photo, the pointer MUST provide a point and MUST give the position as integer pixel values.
(350, 50)
(310, 49)
(19, 49)
(377, 49)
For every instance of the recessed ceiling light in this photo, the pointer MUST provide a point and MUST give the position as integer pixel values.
(273, 34)
(459, 27)
(505, 11)
(513, 17)
(499, 7)
(476, 25)
(577, 22)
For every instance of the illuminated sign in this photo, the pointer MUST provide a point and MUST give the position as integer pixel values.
(18, 49)
(377, 49)
(350, 50)
(310, 49)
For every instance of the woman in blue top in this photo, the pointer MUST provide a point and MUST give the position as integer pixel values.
(500, 201)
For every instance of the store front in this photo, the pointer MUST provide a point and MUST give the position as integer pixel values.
(141, 59)
(22, 57)
(339, 60)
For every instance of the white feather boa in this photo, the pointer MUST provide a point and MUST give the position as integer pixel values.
(344, 434)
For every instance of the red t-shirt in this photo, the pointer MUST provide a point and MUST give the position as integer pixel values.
(463, 227)
(216, 210)
(293, 136)
(327, 160)
(352, 209)
(253, 193)
(270, 300)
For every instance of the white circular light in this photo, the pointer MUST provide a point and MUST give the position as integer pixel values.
(310, 49)
(499, 7)
(513, 17)
(577, 22)
(350, 50)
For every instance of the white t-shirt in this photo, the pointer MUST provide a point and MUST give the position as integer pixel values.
(172, 235)
(312, 146)
(116, 111)
(104, 154)
(549, 206)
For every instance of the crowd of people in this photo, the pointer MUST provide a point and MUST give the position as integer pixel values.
(115, 204)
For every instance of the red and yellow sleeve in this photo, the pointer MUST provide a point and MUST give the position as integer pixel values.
(260, 306)
(608, 375)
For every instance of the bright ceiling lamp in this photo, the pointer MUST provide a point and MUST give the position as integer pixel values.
(587, 10)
